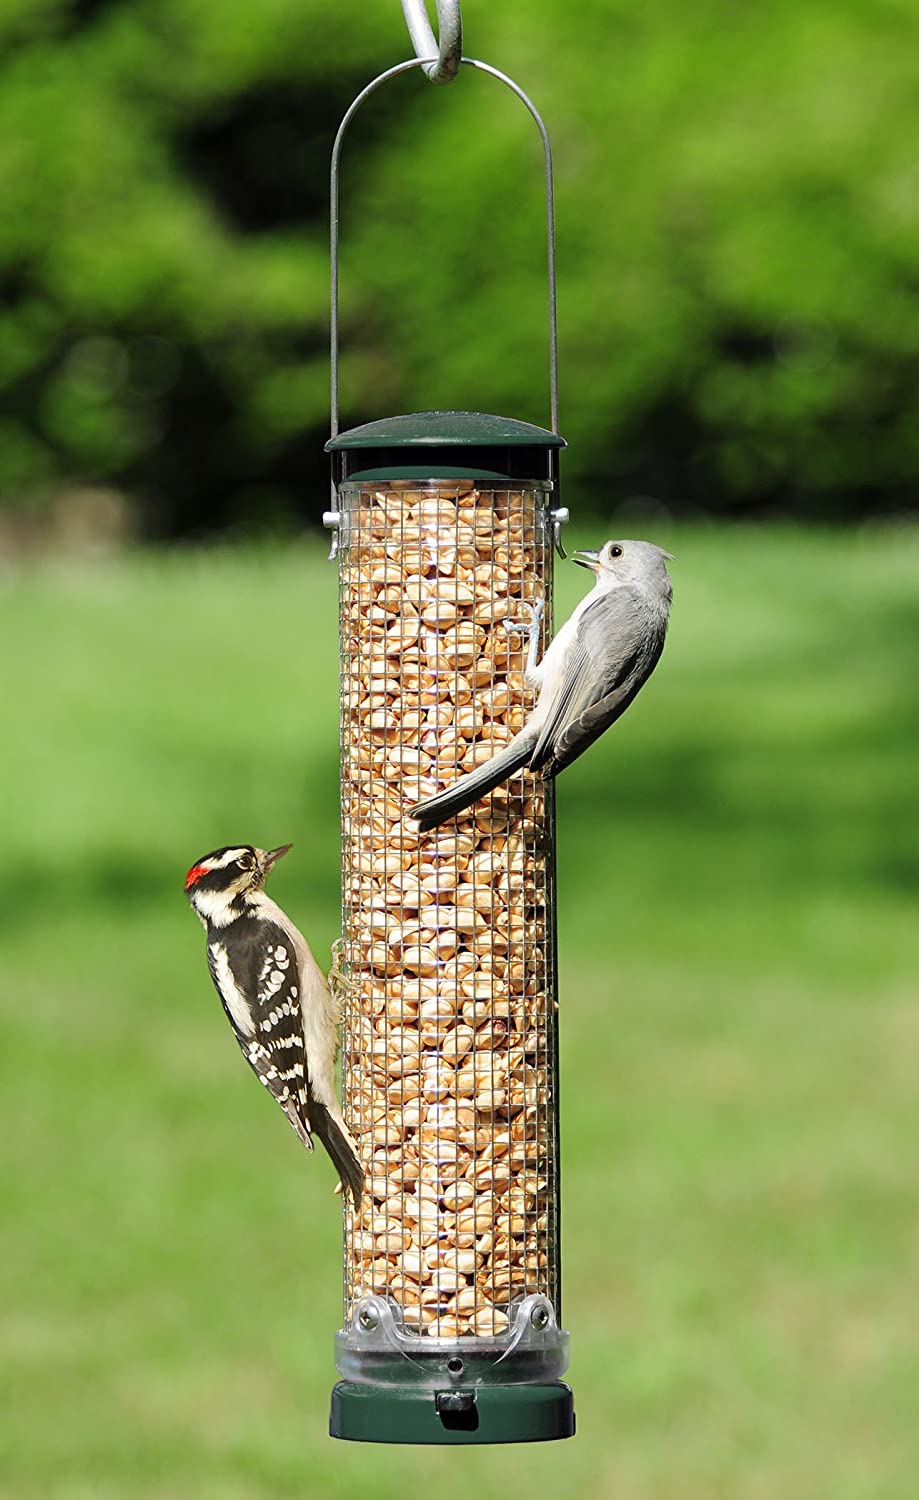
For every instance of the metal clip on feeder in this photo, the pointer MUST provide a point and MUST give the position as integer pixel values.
(445, 525)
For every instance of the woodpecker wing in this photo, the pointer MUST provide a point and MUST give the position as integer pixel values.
(317, 1012)
(617, 645)
(255, 973)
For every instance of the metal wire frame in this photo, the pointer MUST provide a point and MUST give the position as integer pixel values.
(409, 1112)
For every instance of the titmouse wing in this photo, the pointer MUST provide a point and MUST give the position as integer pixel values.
(618, 643)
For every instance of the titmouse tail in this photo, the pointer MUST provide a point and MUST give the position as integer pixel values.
(335, 1136)
(470, 788)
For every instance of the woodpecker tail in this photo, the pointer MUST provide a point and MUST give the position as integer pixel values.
(339, 1143)
(477, 784)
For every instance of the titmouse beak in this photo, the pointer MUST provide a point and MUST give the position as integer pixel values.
(269, 857)
(589, 560)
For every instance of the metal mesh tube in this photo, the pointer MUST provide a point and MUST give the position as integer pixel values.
(449, 1022)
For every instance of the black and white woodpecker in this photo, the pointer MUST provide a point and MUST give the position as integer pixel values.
(276, 997)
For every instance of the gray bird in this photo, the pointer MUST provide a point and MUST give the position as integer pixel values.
(597, 663)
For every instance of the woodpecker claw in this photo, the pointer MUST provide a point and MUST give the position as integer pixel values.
(339, 983)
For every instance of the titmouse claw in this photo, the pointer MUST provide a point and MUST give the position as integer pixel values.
(526, 627)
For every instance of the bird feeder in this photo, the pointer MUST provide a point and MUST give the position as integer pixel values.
(445, 524)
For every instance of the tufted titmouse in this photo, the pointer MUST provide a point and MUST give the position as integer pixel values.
(596, 664)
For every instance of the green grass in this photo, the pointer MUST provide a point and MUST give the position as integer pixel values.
(739, 867)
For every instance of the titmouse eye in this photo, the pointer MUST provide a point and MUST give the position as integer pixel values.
(615, 551)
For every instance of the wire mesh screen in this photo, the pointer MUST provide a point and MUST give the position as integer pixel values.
(449, 1025)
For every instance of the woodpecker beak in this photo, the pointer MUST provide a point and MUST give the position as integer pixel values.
(269, 858)
(589, 560)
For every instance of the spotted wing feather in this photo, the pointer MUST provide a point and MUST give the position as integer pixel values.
(269, 1029)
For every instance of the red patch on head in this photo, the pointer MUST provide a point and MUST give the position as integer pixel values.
(194, 875)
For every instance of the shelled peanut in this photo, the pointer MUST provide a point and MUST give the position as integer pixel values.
(448, 1040)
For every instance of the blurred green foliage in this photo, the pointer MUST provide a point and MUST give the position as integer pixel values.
(738, 880)
(738, 225)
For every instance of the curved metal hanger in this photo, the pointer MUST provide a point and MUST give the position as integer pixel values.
(432, 65)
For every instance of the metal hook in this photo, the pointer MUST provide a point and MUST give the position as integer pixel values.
(441, 59)
(559, 517)
(331, 520)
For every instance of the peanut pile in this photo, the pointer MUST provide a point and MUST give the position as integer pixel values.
(449, 1023)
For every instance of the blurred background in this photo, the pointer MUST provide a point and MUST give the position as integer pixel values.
(738, 201)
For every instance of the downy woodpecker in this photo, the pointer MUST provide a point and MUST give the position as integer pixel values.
(275, 996)
(595, 666)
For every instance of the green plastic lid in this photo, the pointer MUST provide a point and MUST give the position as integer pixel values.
(446, 429)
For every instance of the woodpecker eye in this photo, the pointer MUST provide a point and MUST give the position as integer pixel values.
(246, 862)
(615, 551)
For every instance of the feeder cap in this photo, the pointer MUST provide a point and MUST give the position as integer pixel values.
(446, 429)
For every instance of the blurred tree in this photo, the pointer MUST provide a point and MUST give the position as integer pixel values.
(739, 232)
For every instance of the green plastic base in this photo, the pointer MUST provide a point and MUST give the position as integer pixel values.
(486, 1414)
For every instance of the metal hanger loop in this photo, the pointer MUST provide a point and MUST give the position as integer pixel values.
(334, 236)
